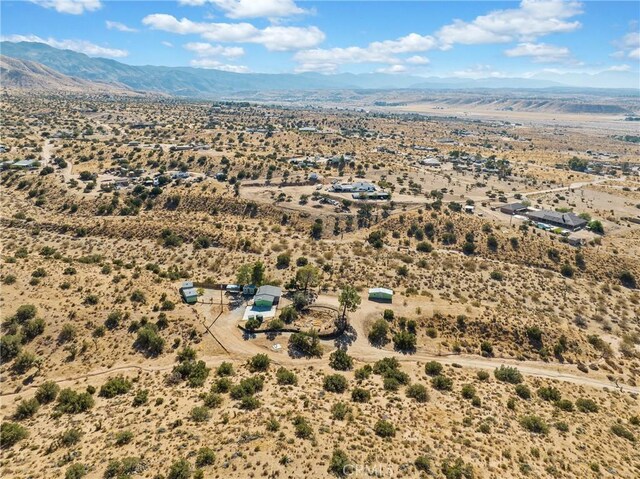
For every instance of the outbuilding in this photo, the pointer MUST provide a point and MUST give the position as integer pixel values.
(381, 294)
(267, 296)
(190, 295)
(513, 208)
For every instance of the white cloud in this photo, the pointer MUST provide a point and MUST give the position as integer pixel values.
(393, 69)
(540, 52)
(532, 19)
(121, 27)
(328, 60)
(478, 72)
(275, 38)
(618, 68)
(252, 8)
(167, 44)
(211, 63)
(208, 50)
(81, 46)
(628, 46)
(73, 7)
(418, 60)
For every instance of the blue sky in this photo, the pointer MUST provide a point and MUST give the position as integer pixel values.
(531, 38)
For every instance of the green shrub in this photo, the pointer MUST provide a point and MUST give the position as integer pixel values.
(123, 437)
(442, 383)
(340, 360)
(70, 437)
(212, 400)
(623, 432)
(11, 433)
(422, 464)
(363, 373)
(340, 410)
(468, 391)
(550, 394)
(384, 429)
(225, 369)
(433, 368)
(564, 404)
(523, 391)
(26, 408)
(360, 395)
(338, 466)
(302, 428)
(286, 377)
(221, 385)
(141, 398)
(75, 471)
(456, 469)
(534, 424)
(47, 392)
(586, 405)
(508, 374)
(307, 343)
(200, 414)
(181, 469)
(205, 457)
(71, 402)
(404, 341)
(194, 372)
(115, 387)
(249, 403)
(335, 383)
(247, 387)
(418, 392)
(259, 362)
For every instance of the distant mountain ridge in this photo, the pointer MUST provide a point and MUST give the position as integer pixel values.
(33, 76)
(196, 82)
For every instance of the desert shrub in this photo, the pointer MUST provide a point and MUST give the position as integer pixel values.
(149, 340)
(122, 468)
(141, 398)
(67, 333)
(338, 466)
(404, 341)
(212, 400)
(418, 392)
(620, 431)
(534, 424)
(221, 385)
(194, 372)
(247, 387)
(442, 383)
(115, 387)
(200, 414)
(11, 433)
(363, 373)
(562, 426)
(424, 247)
(340, 360)
(384, 428)
(259, 362)
(47, 392)
(523, 391)
(335, 383)
(225, 369)
(340, 410)
(482, 375)
(123, 437)
(508, 374)
(25, 313)
(306, 343)
(186, 354)
(180, 469)
(303, 429)
(249, 403)
(360, 395)
(549, 393)
(286, 377)
(205, 457)
(33, 328)
(252, 324)
(456, 469)
(26, 408)
(423, 464)
(71, 402)
(496, 275)
(75, 471)
(628, 280)
(468, 391)
(70, 437)
(288, 314)
(388, 314)
(10, 347)
(433, 368)
(379, 331)
(564, 404)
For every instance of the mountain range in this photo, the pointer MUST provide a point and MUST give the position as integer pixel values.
(197, 82)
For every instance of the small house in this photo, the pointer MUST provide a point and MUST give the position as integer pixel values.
(190, 295)
(381, 294)
(249, 289)
(267, 296)
(513, 208)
